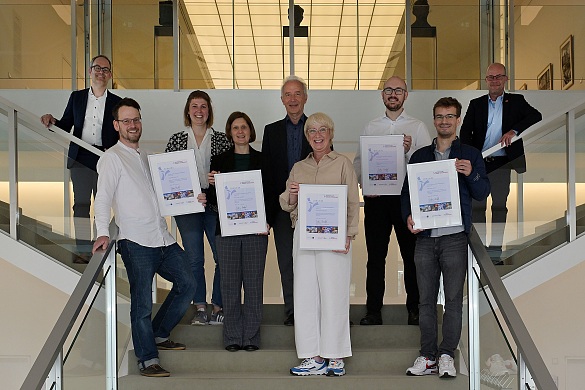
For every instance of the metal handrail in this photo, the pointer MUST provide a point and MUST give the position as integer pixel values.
(520, 334)
(54, 344)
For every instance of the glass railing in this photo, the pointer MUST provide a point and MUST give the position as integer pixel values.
(537, 218)
(4, 173)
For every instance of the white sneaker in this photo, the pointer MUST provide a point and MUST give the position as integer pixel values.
(310, 366)
(496, 365)
(447, 367)
(336, 367)
(422, 366)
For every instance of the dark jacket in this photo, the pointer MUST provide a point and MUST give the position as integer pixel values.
(475, 186)
(225, 163)
(517, 115)
(74, 116)
(275, 164)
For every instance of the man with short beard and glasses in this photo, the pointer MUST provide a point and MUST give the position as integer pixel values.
(382, 212)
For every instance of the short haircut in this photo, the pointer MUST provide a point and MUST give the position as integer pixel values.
(319, 119)
(198, 95)
(298, 80)
(447, 102)
(126, 102)
(100, 56)
(235, 115)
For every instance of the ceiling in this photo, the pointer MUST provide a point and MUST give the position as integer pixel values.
(243, 44)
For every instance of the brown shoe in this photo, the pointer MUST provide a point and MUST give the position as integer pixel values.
(170, 346)
(155, 371)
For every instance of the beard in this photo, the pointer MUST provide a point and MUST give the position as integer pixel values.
(393, 105)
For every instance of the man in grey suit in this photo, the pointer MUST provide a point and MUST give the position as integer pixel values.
(283, 144)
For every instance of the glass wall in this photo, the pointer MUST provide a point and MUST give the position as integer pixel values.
(548, 57)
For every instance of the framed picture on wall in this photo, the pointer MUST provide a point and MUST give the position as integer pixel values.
(545, 78)
(567, 69)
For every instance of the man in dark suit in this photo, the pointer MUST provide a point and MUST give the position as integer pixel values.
(89, 112)
(493, 119)
(284, 144)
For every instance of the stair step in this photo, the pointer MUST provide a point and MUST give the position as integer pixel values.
(281, 337)
(270, 381)
(363, 361)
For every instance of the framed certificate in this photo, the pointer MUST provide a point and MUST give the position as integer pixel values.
(240, 201)
(382, 164)
(176, 182)
(434, 194)
(322, 216)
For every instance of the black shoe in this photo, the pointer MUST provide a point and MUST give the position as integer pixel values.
(233, 348)
(171, 346)
(154, 370)
(371, 319)
(81, 259)
(290, 320)
(413, 318)
(250, 348)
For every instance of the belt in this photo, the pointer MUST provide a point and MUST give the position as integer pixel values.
(490, 159)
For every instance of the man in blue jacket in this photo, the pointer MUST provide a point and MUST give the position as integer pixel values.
(89, 113)
(444, 250)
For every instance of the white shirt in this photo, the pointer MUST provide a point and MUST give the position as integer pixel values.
(94, 118)
(125, 185)
(202, 155)
(404, 124)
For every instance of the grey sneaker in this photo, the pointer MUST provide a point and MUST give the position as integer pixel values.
(200, 318)
(217, 318)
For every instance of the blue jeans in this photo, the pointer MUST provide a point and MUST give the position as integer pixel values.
(434, 256)
(142, 263)
(192, 227)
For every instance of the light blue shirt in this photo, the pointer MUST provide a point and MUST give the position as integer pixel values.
(494, 125)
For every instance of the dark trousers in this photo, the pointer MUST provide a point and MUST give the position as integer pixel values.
(283, 240)
(381, 214)
(241, 263)
(84, 179)
(500, 189)
(446, 255)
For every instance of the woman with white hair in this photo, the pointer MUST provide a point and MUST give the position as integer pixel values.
(322, 277)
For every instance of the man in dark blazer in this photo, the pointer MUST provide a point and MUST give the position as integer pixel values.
(89, 113)
(283, 144)
(493, 119)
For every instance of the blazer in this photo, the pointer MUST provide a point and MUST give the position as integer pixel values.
(74, 116)
(517, 115)
(275, 170)
(224, 163)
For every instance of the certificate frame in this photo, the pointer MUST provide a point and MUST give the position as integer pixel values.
(327, 231)
(176, 182)
(383, 164)
(434, 194)
(244, 214)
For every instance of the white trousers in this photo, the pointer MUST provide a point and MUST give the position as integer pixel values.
(321, 301)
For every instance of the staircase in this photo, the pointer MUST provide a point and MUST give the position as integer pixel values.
(381, 355)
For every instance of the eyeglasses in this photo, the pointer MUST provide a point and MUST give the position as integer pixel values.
(98, 69)
(497, 77)
(127, 122)
(440, 117)
(398, 91)
(321, 131)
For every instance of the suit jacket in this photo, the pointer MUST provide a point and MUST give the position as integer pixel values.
(275, 170)
(224, 163)
(517, 115)
(74, 116)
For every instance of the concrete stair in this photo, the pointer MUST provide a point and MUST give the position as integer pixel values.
(381, 355)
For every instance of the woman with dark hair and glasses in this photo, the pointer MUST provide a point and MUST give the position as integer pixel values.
(206, 143)
(241, 258)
